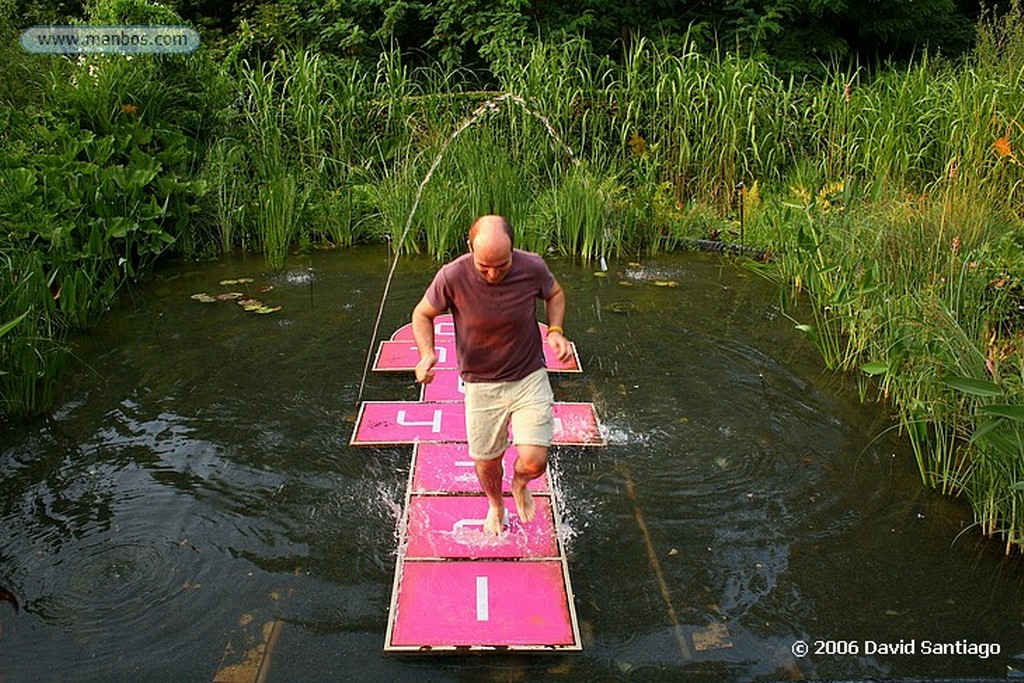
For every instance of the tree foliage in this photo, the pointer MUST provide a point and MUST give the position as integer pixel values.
(792, 35)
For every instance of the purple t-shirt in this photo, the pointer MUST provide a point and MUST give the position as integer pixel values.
(496, 333)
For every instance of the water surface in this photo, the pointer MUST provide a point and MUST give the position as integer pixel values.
(195, 485)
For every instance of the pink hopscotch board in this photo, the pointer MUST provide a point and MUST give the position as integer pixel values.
(447, 468)
(444, 330)
(456, 588)
(447, 386)
(472, 605)
(445, 527)
(388, 423)
(402, 356)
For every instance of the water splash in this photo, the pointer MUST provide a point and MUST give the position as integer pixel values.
(392, 508)
(491, 105)
(623, 435)
(576, 509)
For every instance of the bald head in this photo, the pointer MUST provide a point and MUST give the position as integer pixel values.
(488, 228)
(490, 241)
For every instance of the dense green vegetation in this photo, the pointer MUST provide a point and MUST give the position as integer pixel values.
(793, 36)
(891, 199)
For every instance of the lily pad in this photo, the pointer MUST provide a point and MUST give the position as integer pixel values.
(203, 297)
(229, 296)
(665, 283)
(251, 304)
(239, 281)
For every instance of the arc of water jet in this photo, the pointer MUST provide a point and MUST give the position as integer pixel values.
(488, 106)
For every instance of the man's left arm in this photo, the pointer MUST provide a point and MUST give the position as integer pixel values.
(554, 310)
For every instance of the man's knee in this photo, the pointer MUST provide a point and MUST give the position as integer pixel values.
(532, 459)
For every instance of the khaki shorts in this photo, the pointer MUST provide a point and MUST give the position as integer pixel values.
(491, 405)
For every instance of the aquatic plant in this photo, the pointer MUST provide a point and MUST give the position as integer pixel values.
(894, 298)
(278, 208)
(32, 349)
(228, 195)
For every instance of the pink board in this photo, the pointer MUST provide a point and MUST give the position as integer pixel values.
(447, 468)
(402, 356)
(470, 604)
(444, 330)
(576, 424)
(447, 386)
(398, 422)
(441, 527)
(392, 355)
(382, 422)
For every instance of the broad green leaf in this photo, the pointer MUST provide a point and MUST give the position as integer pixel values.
(118, 227)
(875, 367)
(7, 327)
(984, 429)
(1013, 412)
(23, 181)
(974, 387)
(1008, 444)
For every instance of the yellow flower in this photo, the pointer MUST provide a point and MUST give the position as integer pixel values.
(828, 196)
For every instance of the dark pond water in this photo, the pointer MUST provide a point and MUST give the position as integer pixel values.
(195, 486)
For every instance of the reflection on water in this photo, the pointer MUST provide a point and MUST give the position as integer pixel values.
(197, 483)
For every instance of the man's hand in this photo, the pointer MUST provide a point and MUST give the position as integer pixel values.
(561, 346)
(425, 368)
(423, 332)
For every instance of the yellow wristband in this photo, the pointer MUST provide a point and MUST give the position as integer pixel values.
(556, 328)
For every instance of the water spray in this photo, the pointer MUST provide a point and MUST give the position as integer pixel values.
(491, 105)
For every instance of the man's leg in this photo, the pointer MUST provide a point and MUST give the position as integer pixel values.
(487, 433)
(533, 428)
(490, 474)
(530, 464)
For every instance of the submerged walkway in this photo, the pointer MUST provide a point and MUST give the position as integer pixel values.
(455, 587)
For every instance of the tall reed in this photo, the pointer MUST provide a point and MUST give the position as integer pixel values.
(279, 205)
(32, 352)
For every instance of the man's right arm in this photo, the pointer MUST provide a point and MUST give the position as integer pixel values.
(423, 332)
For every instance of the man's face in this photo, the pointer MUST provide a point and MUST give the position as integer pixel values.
(493, 265)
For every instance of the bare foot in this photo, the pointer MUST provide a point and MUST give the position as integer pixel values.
(494, 524)
(524, 503)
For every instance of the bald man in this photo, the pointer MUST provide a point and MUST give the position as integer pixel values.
(492, 293)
